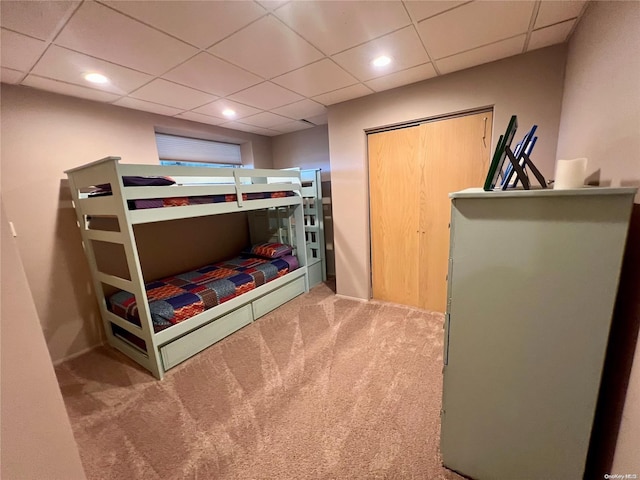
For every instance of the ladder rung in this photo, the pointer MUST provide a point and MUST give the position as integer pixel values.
(124, 324)
(121, 283)
(101, 235)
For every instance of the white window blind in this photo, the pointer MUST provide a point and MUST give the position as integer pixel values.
(185, 149)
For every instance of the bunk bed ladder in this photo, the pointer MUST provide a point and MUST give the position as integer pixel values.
(296, 237)
(116, 203)
(314, 225)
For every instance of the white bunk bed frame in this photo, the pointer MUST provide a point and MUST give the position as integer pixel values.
(167, 348)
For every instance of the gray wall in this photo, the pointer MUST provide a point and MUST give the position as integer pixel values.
(306, 149)
(528, 85)
(601, 102)
(37, 441)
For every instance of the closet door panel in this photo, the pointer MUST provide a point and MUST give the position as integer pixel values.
(395, 167)
(411, 173)
(456, 156)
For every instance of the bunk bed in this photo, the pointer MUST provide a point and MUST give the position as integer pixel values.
(162, 322)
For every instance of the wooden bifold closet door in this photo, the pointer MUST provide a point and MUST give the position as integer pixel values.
(411, 173)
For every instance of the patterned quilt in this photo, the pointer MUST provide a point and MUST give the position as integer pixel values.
(177, 298)
(202, 199)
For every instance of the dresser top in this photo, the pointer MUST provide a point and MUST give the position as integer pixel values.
(543, 192)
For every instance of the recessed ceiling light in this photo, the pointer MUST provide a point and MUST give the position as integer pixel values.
(381, 61)
(228, 113)
(96, 78)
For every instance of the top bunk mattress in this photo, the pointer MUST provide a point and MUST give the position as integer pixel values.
(201, 200)
(179, 201)
(179, 297)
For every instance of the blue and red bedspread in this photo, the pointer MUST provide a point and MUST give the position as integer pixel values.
(177, 298)
(202, 199)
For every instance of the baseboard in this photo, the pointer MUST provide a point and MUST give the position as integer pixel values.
(77, 354)
(347, 297)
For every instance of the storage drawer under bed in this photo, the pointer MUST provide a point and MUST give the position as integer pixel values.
(264, 305)
(187, 346)
(197, 340)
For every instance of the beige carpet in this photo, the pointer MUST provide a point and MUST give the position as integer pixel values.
(322, 388)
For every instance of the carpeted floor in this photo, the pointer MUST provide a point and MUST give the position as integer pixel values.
(322, 388)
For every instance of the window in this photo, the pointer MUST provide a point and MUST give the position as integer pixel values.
(185, 151)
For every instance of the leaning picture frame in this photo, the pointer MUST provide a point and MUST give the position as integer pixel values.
(525, 147)
(500, 154)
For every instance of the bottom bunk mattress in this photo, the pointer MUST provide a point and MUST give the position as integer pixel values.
(179, 297)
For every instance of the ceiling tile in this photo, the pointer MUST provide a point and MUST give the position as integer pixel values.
(146, 106)
(265, 120)
(302, 109)
(343, 94)
(475, 24)
(260, 48)
(553, 11)
(40, 19)
(405, 77)
(319, 119)
(294, 126)
(216, 108)
(171, 94)
(198, 117)
(11, 76)
(486, 54)
(243, 127)
(61, 64)
(210, 74)
(100, 32)
(68, 89)
(317, 78)
(19, 52)
(336, 26)
(184, 19)
(419, 9)
(403, 47)
(266, 96)
(132, 41)
(550, 35)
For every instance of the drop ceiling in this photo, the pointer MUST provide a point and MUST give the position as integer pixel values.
(277, 64)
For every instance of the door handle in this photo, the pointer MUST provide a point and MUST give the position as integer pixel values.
(484, 132)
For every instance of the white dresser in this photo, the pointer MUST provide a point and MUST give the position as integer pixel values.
(533, 277)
